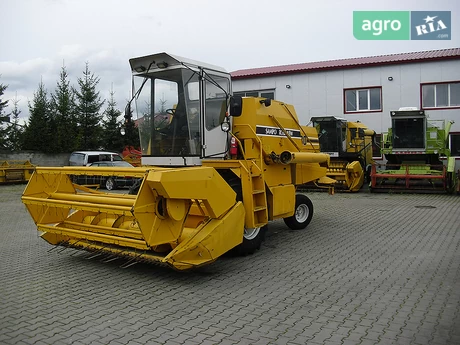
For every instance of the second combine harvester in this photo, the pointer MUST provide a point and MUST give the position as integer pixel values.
(211, 180)
(414, 148)
(349, 145)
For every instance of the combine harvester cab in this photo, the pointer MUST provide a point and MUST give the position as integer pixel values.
(349, 145)
(215, 170)
(413, 148)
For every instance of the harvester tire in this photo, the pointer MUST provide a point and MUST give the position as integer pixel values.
(302, 215)
(110, 184)
(368, 174)
(252, 238)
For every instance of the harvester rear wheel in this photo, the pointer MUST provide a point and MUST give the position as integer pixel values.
(252, 237)
(252, 240)
(302, 214)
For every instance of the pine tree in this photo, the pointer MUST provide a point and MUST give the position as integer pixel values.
(38, 134)
(3, 118)
(88, 104)
(146, 123)
(112, 138)
(14, 129)
(63, 112)
(131, 137)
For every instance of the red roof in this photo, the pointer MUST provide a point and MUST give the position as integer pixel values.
(431, 55)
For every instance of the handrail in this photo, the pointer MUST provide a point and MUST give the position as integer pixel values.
(256, 138)
(285, 132)
(298, 125)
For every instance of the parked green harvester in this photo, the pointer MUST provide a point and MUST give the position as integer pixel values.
(414, 148)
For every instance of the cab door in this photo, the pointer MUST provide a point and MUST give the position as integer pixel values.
(216, 90)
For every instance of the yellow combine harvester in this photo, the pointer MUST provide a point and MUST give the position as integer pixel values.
(349, 145)
(215, 170)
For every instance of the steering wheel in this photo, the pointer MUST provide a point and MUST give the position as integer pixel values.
(171, 111)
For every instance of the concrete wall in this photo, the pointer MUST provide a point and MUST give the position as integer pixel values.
(38, 158)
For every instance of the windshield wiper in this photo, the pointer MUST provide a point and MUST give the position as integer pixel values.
(128, 105)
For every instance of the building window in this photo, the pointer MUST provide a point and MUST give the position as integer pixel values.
(264, 94)
(365, 100)
(376, 145)
(454, 144)
(441, 95)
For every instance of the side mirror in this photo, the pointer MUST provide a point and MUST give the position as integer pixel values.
(236, 106)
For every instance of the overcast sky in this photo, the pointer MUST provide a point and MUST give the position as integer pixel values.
(38, 37)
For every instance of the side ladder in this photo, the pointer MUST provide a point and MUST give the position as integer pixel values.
(254, 197)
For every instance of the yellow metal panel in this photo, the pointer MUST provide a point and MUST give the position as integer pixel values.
(251, 150)
(283, 201)
(99, 171)
(203, 183)
(165, 197)
(222, 164)
(278, 174)
(150, 211)
(256, 114)
(210, 241)
(93, 236)
(127, 229)
(355, 176)
(309, 172)
(53, 238)
(37, 192)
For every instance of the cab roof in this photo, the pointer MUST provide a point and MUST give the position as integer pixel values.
(155, 62)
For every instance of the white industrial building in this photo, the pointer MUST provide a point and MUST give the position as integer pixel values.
(365, 89)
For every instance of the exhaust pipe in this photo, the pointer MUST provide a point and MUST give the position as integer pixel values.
(368, 132)
(287, 157)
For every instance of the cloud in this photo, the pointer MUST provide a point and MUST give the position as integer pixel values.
(19, 75)
(23, 78)
(71, 51)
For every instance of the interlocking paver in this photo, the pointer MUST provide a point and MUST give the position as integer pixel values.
(369, 269)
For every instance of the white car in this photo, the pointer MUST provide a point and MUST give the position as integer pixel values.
(85, 158)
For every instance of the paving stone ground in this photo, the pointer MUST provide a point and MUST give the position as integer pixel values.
(369, 269)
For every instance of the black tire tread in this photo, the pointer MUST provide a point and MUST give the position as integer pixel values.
(292, 222)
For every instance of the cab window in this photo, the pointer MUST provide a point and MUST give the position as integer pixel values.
(216, 101)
